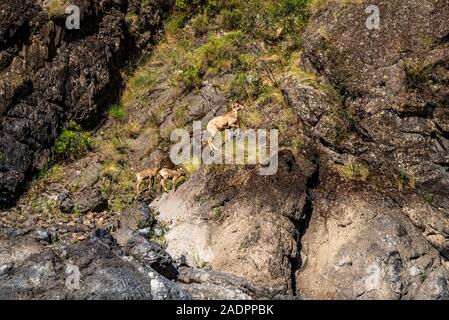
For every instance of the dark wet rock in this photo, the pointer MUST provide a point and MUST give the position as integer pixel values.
(85, 201)
(147, 252)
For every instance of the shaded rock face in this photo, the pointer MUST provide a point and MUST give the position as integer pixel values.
(51, 74)
(86, 201)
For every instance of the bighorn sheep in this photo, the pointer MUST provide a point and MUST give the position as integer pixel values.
(170, 174)
(149, 173)
(228, 120)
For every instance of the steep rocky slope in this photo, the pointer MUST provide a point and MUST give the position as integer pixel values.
(51, 74)
(356, 210)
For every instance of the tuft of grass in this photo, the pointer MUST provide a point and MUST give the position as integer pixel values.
(418, 76)
(218, 55)
(138, 86)
(199, 263)
(252, 117)
(158, 235)
(192, 166)
(217, 214)
(404, 179)
(230, 19)
(246, 85)
(117, 112)
(131, 129)
(111, 171)
(50, 171)
(429, 197)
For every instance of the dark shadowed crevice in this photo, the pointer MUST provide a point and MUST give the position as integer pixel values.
(302, 224)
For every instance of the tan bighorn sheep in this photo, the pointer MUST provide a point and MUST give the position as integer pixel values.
(170, 174)
(228, 120)
(148, 173)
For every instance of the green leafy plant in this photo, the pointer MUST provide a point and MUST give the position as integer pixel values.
(73, 141)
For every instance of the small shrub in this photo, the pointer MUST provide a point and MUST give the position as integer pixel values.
(246, 85)
(217, 214)
(191, 77)
(73, 141)
(238, 86)
(175, 23)
(429, 197)
(200, 24)
(230, 19)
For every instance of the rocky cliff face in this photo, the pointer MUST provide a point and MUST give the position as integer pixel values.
(394, 88)
(51, 74)
(357, 210)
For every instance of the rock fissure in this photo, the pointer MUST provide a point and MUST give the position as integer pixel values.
(302, 225)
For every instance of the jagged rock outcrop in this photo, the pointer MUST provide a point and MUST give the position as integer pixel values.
(31, 270)
(50, 74)
(126, 266)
